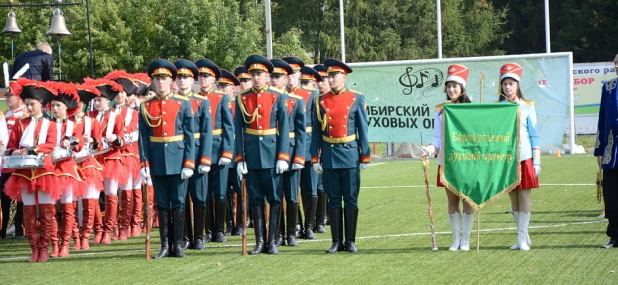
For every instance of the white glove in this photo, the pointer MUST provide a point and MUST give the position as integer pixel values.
(318, 167)
(224, 161)
(537, 170)
(145, 172)
(282, 166)
(364, 165)
(428, 150)
(186, 173)
(203, 168)
(297, 166)
(241, 169)
(134, 136)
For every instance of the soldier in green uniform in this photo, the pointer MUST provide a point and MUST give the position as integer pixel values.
(308, 176)
(222, 142)
(187, 74)
(262, 144)
(167, 149)
(341, 151)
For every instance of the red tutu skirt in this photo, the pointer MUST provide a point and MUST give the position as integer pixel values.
(92, 177)
(67, 182)
(115, 169)
(132, 165)
(528, 177)
(438, 183)
(47, 183)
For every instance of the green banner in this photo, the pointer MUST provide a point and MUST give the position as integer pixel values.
(480, 151)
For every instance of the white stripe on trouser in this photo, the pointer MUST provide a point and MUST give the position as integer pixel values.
(111, 187)
(93, 192)
(30, 198)
(67, 196)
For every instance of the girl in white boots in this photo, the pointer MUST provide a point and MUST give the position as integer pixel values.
(456, 93)
(530, 151)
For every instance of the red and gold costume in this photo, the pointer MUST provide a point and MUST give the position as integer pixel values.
(112, 161)
(37, 186)
(90, 170)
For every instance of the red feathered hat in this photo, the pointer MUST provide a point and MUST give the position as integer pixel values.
(143, 82)
(87, 92)
(109, 89)
(125, 79)
(67, 94)
(34, 90)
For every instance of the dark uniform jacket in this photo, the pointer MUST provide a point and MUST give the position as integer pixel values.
(41, 65)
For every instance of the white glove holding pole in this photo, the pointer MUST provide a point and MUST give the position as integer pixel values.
(241, 169)
(364, 165)
(428, 150)
(145, 172)
(203, 168)
(318, 167)
(297, 166)
(186, 173)
(224, 161)
(537, 170)
(282, 166)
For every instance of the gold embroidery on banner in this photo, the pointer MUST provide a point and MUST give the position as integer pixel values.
(607, 154)
(597, 143)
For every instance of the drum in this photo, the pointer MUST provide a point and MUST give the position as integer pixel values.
(23, 161)
(83, 155)
(60, 154)
(105, 148)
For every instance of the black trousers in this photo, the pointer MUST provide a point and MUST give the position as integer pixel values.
(610, 196)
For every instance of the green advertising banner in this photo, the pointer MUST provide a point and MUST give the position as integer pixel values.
(480, 151)
(401, 96)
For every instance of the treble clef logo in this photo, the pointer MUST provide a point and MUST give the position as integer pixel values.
(408, 81)
(424, 80)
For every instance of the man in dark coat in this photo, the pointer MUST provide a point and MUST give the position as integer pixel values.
(41, 63)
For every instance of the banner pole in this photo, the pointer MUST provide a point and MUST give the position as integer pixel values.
(478, 230)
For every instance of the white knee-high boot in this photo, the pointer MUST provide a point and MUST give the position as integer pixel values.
(455, 220)
(516, 217)
(468, 221)
(522, 233)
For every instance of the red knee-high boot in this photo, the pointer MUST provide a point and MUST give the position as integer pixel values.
(75, 228)
(127, 211)
(46, 217)
(111, 211)
(97, 222)
(32, 231)
(88, 209)
(136, 214)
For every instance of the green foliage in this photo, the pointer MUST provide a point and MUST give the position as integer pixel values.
(379, 30)
(129, 34)
(583, 27)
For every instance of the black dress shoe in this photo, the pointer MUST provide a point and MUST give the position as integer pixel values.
(272, 248)
(350, 246)
(220, 237)
(336, 247)
(163, 253)
(610, 244)
(199, 244)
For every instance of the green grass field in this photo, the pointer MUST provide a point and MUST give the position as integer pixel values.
(393, 241)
